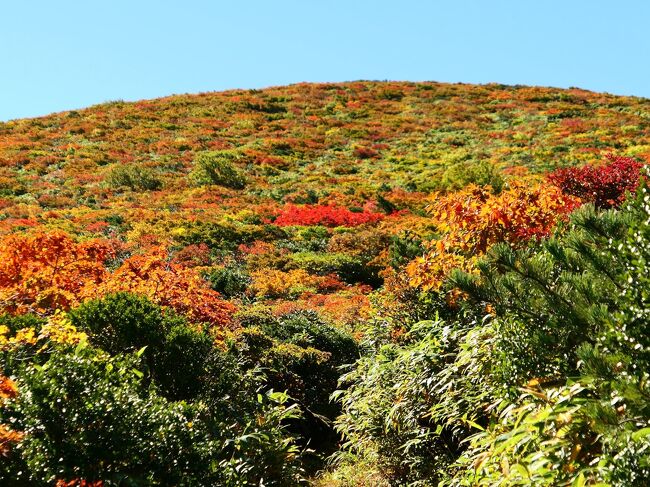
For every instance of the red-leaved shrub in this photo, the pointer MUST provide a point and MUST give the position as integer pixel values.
(326, 215)
(604, 185)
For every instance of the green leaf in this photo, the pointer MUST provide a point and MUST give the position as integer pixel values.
(579, 481)
(642, 433)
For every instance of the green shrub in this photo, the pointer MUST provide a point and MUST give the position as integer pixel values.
(90, 416)
(217, 168)
(301, 352)
(230, 281)
(15, 323)
(410, 406)
(403, 249)
(134, 177)
(571, 347)
(552, 297)
(123, 322)
(307, 329)
(463, 173)
(350, 269)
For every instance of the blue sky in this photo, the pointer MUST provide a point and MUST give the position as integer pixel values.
(58, 55)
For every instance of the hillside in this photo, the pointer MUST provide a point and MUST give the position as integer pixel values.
(214, 264)
(324, 142)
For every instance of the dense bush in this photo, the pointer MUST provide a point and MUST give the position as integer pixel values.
(217, 168)
(549, 388)
(230, 281)
(410, 406)
(122, 322)
(134, 177)
(325, 215)
(463, 174)
(554, 297)
(582, 413)
(604, 185)
(113, 428)
(302, 352)
(351, 269)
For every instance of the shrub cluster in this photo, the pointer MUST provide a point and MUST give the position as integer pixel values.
(539, 377)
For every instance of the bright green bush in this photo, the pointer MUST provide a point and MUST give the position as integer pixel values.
(480, 173)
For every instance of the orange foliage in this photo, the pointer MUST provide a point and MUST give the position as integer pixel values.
(46, 271)
(167, 283)
(8, 389)
(50, 271)
(8, 437)
(473, 220)
(341, 309)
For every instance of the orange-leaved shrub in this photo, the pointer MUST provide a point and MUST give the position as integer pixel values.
(472, 220)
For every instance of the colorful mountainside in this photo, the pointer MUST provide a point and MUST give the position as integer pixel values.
(213, 264)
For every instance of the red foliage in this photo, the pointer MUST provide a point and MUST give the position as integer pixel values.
(327, 215)
(193, 256)
(364, 153)
(79, 483)
(603, 185)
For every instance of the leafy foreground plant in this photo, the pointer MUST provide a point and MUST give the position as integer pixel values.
(584, 413)
(549, 389)
(85, 415)
(80, 414)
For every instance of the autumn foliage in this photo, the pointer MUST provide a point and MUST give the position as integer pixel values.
(50, 271)
(326, 215)
(472, 220)
(347, 205)
(8, 437)
(604, 185)
(47, 271)
(168, 284)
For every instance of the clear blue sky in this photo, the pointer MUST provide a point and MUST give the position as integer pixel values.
(58, 55)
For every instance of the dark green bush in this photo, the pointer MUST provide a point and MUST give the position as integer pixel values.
(123, 322)
(403, 249)
(230, 280)
(15, 323)
(307, 329)
(349, 268)
(301, 354)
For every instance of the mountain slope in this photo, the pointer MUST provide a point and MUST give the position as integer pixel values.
(316, 141)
